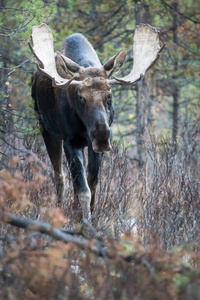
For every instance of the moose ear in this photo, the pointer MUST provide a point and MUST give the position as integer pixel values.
(114, 63)
(69, 66)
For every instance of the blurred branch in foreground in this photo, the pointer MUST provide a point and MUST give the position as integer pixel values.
(92, 245)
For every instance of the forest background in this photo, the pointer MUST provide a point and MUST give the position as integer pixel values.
(148, 208)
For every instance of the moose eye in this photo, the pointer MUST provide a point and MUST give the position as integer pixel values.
(81, 99)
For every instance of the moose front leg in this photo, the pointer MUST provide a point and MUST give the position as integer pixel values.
(54, 149)
(81, 188)
(94, 163)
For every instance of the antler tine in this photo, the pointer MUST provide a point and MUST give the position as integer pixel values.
(42, 48)
(146, 51)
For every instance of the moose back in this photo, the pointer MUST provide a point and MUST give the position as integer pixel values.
(72, 93)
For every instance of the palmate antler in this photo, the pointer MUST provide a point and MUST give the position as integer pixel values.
(42, 48)
(146, 51)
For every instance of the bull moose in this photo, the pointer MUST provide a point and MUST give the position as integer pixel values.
(72, 93)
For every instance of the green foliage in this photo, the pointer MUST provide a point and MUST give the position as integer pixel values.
(72, 5)
(182, 280)
(188, 281)
(31, 13)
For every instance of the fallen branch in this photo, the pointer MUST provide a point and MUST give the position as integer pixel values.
(45, 228)
(92, 245)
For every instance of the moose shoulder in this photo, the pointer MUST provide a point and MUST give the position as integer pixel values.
(72, 93)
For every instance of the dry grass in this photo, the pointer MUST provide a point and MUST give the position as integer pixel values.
(151, 212)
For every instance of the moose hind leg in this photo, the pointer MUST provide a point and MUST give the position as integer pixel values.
(54, 149)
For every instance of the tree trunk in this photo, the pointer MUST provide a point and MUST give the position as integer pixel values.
(145, 95)
(175, 88)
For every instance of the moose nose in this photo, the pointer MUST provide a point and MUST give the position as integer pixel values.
(100, 136)
(100, 132)
(98, 148)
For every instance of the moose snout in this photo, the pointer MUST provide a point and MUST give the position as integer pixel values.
(100, 137)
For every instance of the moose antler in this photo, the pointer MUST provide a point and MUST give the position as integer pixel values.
(146, 51)
(42, 48)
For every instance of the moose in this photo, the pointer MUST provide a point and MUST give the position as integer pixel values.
(73, 98)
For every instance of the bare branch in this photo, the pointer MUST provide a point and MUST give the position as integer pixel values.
(45, 228)
(178, 12)
(12, 70)
(14, 8)
(93, 245)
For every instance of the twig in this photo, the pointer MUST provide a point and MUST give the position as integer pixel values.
(14, 8)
